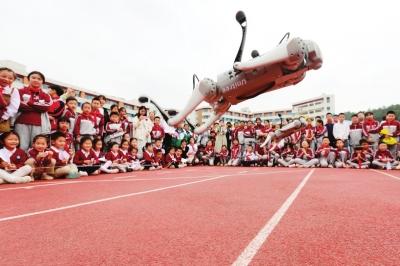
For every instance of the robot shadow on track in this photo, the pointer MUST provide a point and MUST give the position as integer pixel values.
(280, 67)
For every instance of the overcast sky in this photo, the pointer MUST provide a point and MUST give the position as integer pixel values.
(129, 48)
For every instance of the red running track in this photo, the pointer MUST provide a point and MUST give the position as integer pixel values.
(204, 216)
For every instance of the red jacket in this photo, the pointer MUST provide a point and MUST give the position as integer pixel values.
(392, 126)
(157, 132)
(115, 158)
(323, 151)
(80, 157)
(346, 151)
(56, 110)
(38, 103)
(235, 151)
(148, 157)
(308, 154)
(93, 125)
(359, 160)
(320, 131)
(60, 156)
(369, 125)
(42, 161)
(18, 157)
(380, 155)
(99, 121)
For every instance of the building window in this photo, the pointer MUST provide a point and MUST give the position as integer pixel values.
(328, 99)
(328, 108)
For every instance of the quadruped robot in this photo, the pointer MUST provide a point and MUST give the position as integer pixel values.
(282, 66)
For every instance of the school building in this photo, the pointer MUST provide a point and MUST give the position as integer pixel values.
(317, 106)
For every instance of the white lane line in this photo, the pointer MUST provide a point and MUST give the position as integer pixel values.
(125, 196)
(107, 199)
(251, 250)
(386, 174)
(129, 178)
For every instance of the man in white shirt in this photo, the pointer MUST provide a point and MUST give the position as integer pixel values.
(341, 129)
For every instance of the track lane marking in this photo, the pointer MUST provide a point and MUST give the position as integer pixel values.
(386, 174)
(127, 178)
(15, 217)
(256, 243)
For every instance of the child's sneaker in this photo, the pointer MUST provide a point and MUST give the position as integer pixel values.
(83, 173)
(47, 177)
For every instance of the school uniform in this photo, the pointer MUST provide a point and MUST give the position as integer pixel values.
(149, 160)
(274, 153)
(262, 154)
(379, 158)
(342, 156)
(33, 119)
(191, 154)
(394, 128)
(308, 135)
(157, 132)
(40, 165)
(56, 110)
(64, 168)
(320, 132)
(117, 160)
(86, 125)
(369, 154)
(287, 157)
(170, 161)
(134, 163)
(368, 126)
(306, 158)
(355, 135)
(81, 156)
(17, 157)
(249, 158)
(113, 132)
(9, 104)
(223, 157)
(326, 156)
(358, 161)
(236, 155)
(249, 134)
(71, 116)
(99, 122)
(209, 155)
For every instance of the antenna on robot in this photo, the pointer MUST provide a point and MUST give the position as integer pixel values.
(241, 19)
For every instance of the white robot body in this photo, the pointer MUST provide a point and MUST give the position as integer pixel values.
(282, 66)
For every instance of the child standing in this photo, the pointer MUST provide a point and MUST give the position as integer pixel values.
(356, 133)
(114, 129)
(70, 112)
(320, 133)
(157, 132)
(96, 106)
(35, 103)
(12, 159)
(86, 159)
(57, 108)
(85, 124)
(40, 159)
(9, 99)
(309, 133)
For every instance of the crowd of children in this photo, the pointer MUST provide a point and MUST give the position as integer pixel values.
(43, 136)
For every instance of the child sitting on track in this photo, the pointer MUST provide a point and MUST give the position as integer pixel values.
(249, 157)
(86, 159)
(358, 159)
(12, 159)
(342, 155)
(223, 156)
(383, 159)
(209, 154)
(105, 164)
(64, 168)
(287, 156)
(149, 162)
(116, 157)
(133, 160)
(236, 153)
(305, 156)
(325, 154)
(41, 159)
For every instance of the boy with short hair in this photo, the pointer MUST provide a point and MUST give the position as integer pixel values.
(63, 168)
(70, 112)
(342, 154)
(325, 154)
(356, 133)
(383, 159)
(157, 132)
(358, 159)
